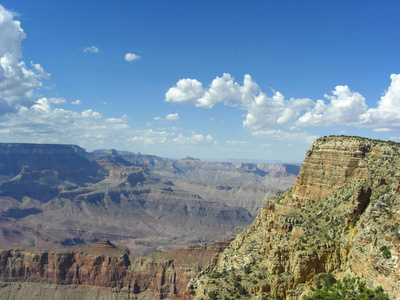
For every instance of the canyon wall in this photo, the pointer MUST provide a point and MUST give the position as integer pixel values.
(342, 218)
(100, 270)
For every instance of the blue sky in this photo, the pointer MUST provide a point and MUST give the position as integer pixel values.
(245, 80)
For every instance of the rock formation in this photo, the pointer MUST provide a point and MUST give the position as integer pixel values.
(60, 196)
(342, 217)
(99, 271)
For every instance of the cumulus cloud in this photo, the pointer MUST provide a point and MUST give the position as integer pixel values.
(17, 81)
(172, 117)
(386, 117)
(131, 57)
(169, 117)
(76, 102)
(92, 49)
(262, 111)
(344, 107)
(264, 114)
(186, 91)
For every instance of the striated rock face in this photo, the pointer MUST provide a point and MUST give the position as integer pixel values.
(341, 217)
(103, 266)
(330, 163)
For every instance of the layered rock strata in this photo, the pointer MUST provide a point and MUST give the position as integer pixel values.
(341, 217)
(101, 270)
(55, 196)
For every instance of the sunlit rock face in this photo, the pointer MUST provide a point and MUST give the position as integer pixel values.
(329, 164)
(341, 217)
(100, 271)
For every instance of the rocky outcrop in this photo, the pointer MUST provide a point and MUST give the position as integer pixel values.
(330, 163)
(102, 264)
(341, 217)
(108, 269)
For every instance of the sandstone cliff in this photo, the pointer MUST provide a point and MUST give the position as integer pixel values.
(99, 271)
(342, 216)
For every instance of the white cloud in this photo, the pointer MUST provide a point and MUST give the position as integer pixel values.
(169, 117)
(238, 143)
(150, 137)
(131, 57)
(345, 107)
(186, 91)
(268, 113)
(56, 100)
(386, 117)
(17, 81)
(89, 113)
(172, 117)
(262, 111)
(43, 123)
(281, 135)
(77, 102)
(349, 108)
(92, 49)
(194, 139)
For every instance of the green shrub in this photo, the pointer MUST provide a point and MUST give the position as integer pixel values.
(348, 288)
(212, 295)
(329, 279)
(247, 270)
(386, 252)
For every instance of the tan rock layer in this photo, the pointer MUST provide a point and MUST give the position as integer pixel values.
(329, 164)
(342, 216)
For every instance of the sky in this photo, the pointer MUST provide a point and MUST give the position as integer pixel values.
(216, 80)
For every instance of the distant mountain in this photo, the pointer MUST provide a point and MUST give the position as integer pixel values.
(61, 196)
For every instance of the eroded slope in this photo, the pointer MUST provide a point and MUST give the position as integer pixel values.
(341, 217)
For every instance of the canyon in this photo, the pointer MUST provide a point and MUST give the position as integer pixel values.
(341, 218)
(59, 196)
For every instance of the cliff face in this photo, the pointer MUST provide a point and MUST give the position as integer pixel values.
(341, 217)
(329, 164)
(100, 270)
(101, 264)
